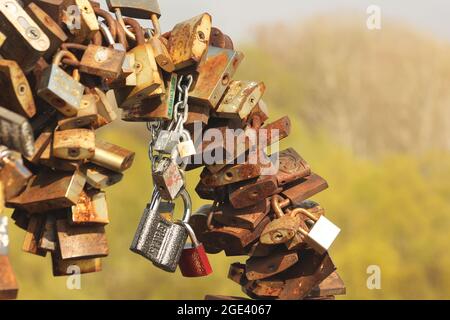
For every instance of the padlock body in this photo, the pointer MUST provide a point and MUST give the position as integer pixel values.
(61, 91)
(74, 144)
(102, 62)
(322, 235)
(168, 179)
(194, 262)
(112, 157)
(141, 9)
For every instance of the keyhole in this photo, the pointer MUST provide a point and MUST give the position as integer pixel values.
(201, 36)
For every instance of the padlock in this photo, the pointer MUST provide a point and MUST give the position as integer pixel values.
(48, 240)
(102, 62)
(291, 167)
(33, 236)
(188, 41)
(112, 157)
(261, 111)
(186, 147)
(85, 25)
(157, 108)
(240, 99)
(135, 8)
(8, 282)
(87, 115)
(25, 41)
(247, 193)
(159, 240)
(168, 179)
(16, 133)
(148, 76)
(304, 188)
(74, 144)
(57, 9)
(13, 173)
(167, 141)
(50, 27)
(247, 218)
(331, 286)
(91, 208)
(17, 95)
(47, 159)
(215, 75)
(67, 267)
(231, 174)
(50, 190)
(81, 241)
(258, 268)
(59, 89)
(99, 177)
(194, 260)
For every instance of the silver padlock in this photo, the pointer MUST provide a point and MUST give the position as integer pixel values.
(323, 233)
(167, 141)
(186, 147)
(159, 240)
(168, 178)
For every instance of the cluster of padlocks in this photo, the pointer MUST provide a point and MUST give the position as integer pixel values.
(67, 65)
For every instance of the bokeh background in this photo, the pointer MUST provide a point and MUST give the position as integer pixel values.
(371, 114)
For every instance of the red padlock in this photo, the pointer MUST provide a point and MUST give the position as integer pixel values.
(194, 260)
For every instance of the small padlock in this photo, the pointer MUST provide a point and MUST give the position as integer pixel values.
(16, 94)
(159, 240)
(194, 260)
(60, 90)
(25, 41)
(186, 147)
(102, 62)
(168, 178)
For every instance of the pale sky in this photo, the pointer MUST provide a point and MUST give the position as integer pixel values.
(236, 17)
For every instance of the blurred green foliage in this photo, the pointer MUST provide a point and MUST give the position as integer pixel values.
(394, 209)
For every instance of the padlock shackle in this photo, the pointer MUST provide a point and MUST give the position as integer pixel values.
(110, 21)
(191, 233)
(57, 60)
(156, 25)
(304, 212)
(137, 29)
(105, 30)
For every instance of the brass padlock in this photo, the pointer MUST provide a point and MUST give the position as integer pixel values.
(215, 75)
(17, 95)
(99, 177)
(13, 174)
(50, 27)
(59, 89)
(155, 108)
(25, 41)
(81, 21)
(112, 157)
(91, 208)
(102, 62)
(241, 98)
(81, 241)
(74, 144)
(188, 41)
(148, 76)
(50, 190)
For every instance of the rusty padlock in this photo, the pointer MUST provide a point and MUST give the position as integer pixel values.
(194, 260)
(74, 144)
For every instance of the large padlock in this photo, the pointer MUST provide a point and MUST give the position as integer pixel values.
(17, 95)
(103, 62)
(158, 239)
(168, 179)
(157, 108)
(60, 90)
(240, 99)
(188, 41)
(74, 144)
(13, 173)
(25, 41)
(149, 79)
(194, 260)
(49, 26)
(215, 75)
(112, 157)
(16, 133)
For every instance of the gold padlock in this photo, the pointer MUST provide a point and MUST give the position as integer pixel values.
(99, 177)
(16, 94)
(74, 144)
(56, 35)
(25, 41)
(189, 40)
(111, 156)
(102, 62)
